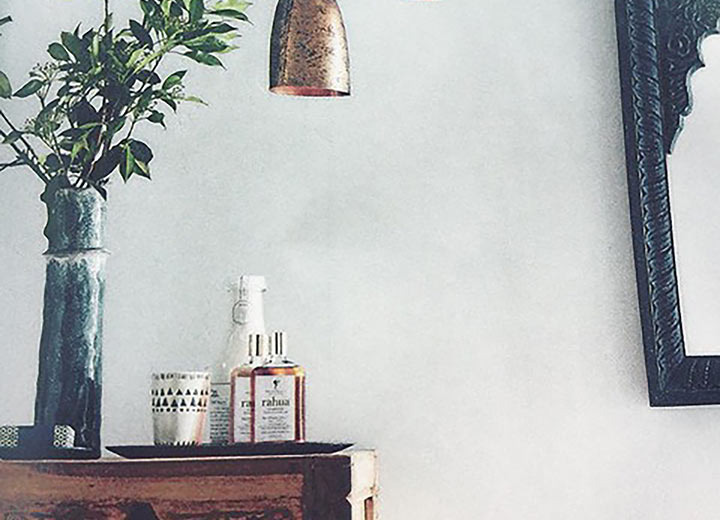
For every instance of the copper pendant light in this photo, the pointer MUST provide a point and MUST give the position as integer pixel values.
(308, 49)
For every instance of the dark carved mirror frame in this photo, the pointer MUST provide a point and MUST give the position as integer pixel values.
(659, 49)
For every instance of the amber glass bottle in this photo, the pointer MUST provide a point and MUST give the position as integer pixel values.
(240, 389)
(278, 396)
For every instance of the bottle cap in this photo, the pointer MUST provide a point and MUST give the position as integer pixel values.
(257, 345)
(249, 284)
(278, 344)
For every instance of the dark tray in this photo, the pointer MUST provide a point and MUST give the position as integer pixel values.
(35, 453)
(228, 450)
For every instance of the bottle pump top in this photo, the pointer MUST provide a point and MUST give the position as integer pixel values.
(278, 344)
(257, 345)
(249, 284)
(248, 309)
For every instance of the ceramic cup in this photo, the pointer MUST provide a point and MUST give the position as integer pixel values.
(179, 407)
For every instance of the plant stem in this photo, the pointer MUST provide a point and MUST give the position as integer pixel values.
(162, 51)
(13, 164)
(81, 181)
(30, 149)
(27, 160)
(106, 24)
(54, 146)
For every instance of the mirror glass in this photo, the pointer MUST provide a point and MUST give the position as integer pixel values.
(694, 178)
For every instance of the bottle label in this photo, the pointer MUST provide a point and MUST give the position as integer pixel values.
(219, 413)
(243, 409)
(275, 408)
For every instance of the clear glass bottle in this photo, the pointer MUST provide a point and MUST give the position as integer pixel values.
(241, 389)
(278, 396)
(248, 317)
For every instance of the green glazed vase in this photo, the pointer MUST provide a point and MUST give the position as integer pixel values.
(69, 385)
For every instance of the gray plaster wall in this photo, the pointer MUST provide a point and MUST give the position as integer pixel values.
(449, 250)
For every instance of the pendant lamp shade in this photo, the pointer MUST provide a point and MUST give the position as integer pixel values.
(308, 49)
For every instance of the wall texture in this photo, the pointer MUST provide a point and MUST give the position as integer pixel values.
(449, 249)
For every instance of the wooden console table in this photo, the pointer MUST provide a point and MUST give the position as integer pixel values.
(341, 486)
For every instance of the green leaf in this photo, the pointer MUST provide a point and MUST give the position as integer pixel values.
(95, 46)
(157, 118)
(64, 90)
(237, 5)
(102, 191)
(53, 163)
(142, 169)
(147, 59)
(5, 87)
(208, 44)
(221, 28)
(174, 79)
(29, 88)
(145, 99)
(12, 137)
(5, 19)
(58, 52)
(169, 101)
(140, 151)
(127, 164)
(176, 8)
(73, 44)
(77, 148)
(148, 77)
(107, 163)
(204, 58)
(71, 134)
(140, 33)
(118, 125)
(83, 113)
(165, 6)
(197, 9)
(89, 126)
(48, 110)
(147, 7)
(195, 99)
(135, 57)
(231, 13)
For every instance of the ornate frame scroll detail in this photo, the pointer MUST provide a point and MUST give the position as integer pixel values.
(681, 27)
(659, 42)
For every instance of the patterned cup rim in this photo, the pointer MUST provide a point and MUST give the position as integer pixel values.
(181, 376)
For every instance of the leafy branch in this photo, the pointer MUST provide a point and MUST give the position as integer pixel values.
(4, 81)
(101, 83)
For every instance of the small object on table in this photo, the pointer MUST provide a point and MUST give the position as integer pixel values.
(40, 442)
(278, 391)
(241, 393)
(179, 407)
(58, 436)
(248, 317)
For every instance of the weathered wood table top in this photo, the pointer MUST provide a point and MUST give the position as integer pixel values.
(341, 486)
